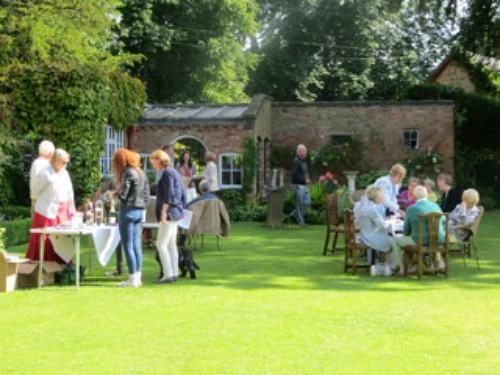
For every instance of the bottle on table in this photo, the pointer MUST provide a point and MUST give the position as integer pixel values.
(112, 213)
(99, 212)
(89, 215)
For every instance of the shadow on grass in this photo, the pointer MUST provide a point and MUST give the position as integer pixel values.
(255, 257)
(289, 259)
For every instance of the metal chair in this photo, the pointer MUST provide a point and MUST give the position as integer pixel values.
(431, 223)
(465, 246)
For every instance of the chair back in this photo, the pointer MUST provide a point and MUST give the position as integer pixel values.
(356, 195)
(349, 229)
(474, 226)
(433, 223)
(151, 210)
(332, 210)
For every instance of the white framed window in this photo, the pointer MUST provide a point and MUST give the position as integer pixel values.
(411, 139)
(114, 140)
(230, 171)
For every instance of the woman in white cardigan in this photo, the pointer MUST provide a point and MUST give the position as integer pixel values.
(210, 172)
(54, 205)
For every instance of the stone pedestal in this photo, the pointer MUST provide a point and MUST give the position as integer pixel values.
(351, 180)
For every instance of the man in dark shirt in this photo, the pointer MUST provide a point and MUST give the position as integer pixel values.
(451, 196)
(300, 182)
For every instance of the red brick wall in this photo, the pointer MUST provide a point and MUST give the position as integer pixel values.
(379, 124)
(217, 138)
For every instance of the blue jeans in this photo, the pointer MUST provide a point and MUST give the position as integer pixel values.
(129, 223)
(302, 200)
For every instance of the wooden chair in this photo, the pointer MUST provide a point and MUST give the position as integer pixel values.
(353, 247)
(332, 223)
(432, 223)
(465, 246)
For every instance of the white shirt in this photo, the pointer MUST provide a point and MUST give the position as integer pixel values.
(39, 164)
(52, 188)
(210, 173)
(390, 193)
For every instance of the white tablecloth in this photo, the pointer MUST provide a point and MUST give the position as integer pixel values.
(105, 239)
(395, 226)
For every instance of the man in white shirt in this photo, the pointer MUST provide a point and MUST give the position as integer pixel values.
(45, 151)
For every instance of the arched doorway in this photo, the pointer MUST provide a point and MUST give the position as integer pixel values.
(196, 148)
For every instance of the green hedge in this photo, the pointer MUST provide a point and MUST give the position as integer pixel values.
(15, 212)
(16, 231)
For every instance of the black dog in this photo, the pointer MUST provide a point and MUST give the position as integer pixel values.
(187, 263)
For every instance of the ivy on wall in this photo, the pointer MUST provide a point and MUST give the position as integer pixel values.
(71, 106)
(477, 158)
(249, 164)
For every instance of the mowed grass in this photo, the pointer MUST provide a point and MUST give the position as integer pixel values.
(267, 302)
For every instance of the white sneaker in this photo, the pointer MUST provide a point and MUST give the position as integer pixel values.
(132, 281)
(127, 284)
(137, 280)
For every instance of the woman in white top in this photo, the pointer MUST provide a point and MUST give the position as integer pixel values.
(210, 172)
(53, 192)
(390, 186)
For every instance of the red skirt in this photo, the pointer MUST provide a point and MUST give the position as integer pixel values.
(40, 221)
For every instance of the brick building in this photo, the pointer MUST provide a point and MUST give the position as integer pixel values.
(451, 72)
(392, 131)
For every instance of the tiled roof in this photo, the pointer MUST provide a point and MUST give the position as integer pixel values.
(209, 113)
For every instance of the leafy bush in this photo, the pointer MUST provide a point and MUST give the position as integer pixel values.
(248, 213)
(70, 105)
(347, 156)
(16, 231)
(426, 164)
(15, 212)
(364, 180)
(231, 198)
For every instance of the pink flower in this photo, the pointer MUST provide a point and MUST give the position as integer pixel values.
(322, 179)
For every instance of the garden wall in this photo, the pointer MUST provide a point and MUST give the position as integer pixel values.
(380, 125)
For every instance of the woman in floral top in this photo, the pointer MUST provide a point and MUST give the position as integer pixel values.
(464, 214)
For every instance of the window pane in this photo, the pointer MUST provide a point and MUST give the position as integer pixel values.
(226, 178)
(226, 162)
(237, 178)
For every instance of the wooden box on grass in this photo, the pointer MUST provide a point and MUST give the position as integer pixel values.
(9, 264)
(28, 273)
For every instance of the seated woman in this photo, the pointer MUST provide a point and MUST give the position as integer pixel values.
(463, 214)
(373, 229)
(406, 198)
(429, 185)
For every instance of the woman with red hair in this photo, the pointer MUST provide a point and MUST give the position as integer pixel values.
(134, 196)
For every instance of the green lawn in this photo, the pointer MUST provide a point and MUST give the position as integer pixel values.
(266, 303)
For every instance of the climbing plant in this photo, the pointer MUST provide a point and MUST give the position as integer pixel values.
(249, 164)
(71, 105)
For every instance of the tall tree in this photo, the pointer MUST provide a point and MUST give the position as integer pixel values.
(338, 50)
(62, 81)
(194, 50)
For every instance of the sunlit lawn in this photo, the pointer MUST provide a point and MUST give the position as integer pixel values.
(267, 302)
